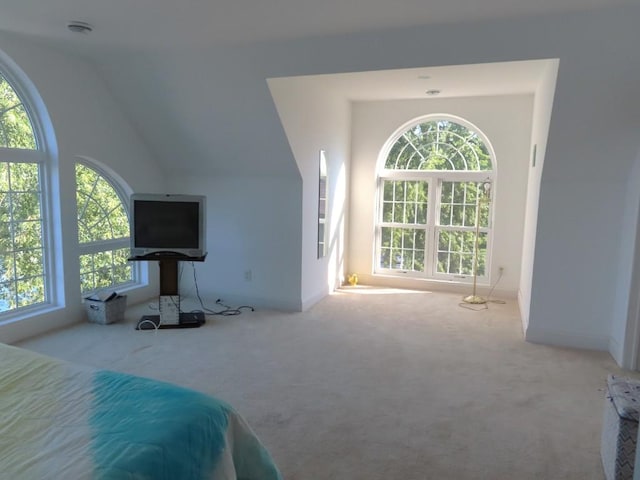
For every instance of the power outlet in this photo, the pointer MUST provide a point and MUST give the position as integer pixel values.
(247, 275)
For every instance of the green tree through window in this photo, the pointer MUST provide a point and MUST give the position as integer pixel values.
(16, 130)
(432, 189)
(23, 276)
(103, 232)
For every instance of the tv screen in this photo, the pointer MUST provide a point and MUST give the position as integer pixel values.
(164, 224)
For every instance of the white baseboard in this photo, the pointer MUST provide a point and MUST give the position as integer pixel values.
(566, 339)
(19, 329)
(615, 349)
(311, 300)
(524, 312)
(433, 285)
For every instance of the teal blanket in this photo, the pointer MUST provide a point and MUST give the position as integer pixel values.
(59, 420)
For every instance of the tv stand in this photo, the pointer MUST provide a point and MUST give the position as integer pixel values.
(169, 286)
(187, 320)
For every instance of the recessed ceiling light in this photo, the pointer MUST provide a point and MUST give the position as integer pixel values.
(79, 27)
(433, 92)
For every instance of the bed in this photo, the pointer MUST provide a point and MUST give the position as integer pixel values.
(61, 420)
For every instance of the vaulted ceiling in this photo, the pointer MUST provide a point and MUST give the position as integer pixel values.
(191, 75)
(162, 23)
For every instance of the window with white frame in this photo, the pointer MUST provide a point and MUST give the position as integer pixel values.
(434, 210)
(24, 273)
(103, 232)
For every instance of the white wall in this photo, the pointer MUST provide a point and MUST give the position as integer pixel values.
(624, 339)
(216, 93)
(506, 122)
(242, 235)
(316, 119)
(86, 122)
(179, 98)
(543, 103)
(591, 147)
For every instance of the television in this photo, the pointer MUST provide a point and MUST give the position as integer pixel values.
(167, 225)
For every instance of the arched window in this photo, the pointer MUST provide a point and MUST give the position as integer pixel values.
(433, 185)
(103, 231)
(24, 274)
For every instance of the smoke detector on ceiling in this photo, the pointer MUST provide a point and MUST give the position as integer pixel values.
(79, 27)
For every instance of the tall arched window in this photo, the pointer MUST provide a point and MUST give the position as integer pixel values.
(103, 231)
(433, 185)
(24, 274)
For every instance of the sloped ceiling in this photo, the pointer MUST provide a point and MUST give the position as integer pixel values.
(154, 23)
(192, 75)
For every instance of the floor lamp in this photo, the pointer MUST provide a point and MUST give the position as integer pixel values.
(484, 197)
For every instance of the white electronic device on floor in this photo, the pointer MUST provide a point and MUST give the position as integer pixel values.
(169, 309)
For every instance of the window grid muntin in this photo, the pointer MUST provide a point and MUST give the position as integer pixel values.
(433, 228)
(97, 246)
(105, 219)
(403, 210)
(434, 148)
(94, 277)
(408, 255)
(14, 297)
(473, 202)
(460, 253)
(10, 93)
(43, 146)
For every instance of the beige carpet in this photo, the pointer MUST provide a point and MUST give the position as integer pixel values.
(373, 384)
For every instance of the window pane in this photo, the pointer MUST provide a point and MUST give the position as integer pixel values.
(22, 259)
(21, 292)
(405, 202)
(104, 270)
(87, 273)
(459, 203)
(402, 248)
(456, 252)
(25, 206)
(27, 235)
(86, 282)
(439, 145)
(121, 266)
(101, 216)
(4, 177)
(24, 177)
(4, 207)
(29, 263)
(5, 237)
(22, 262)
(7, 296)
(388, 190)
(15, 127)
(387, 212)
(30, 291)
(103, 277)
(102, 230)
(430, 152)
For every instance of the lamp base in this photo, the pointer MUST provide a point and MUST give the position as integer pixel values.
(474, 299)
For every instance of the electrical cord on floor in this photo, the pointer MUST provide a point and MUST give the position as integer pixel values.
(154, 325)
(502, 302)
(227, 310)
(484, 305)
(474, 306)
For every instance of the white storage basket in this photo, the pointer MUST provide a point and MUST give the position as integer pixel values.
(106, 312)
